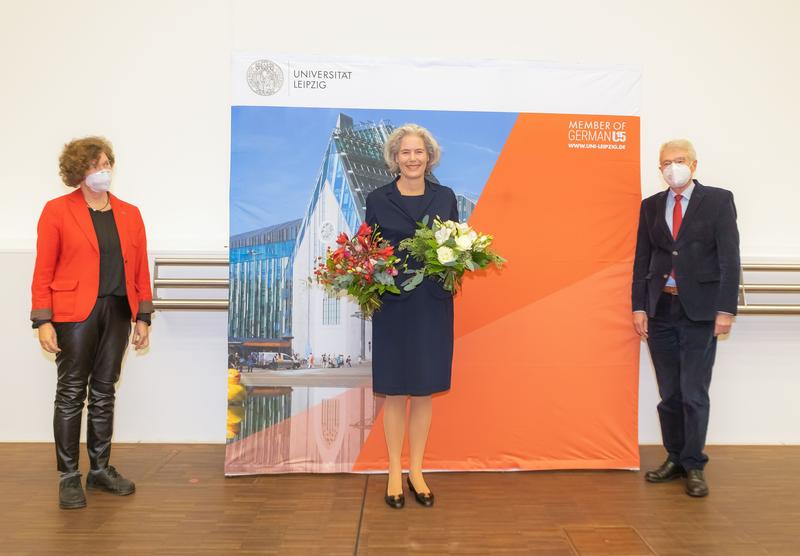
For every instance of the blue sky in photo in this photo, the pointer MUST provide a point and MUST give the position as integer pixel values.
(276, 154)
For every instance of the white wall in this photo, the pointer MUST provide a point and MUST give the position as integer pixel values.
(153, 76)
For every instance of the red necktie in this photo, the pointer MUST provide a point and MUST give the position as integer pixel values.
(677, 216)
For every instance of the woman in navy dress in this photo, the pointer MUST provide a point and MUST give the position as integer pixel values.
(412, 333)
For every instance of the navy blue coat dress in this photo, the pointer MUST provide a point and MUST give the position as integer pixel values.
(412, 333)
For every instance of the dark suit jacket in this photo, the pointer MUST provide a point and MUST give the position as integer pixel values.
(385, 208)
(705, 254)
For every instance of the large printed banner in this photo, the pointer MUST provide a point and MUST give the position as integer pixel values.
(545, 157)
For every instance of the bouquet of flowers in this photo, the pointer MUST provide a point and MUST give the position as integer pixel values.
(363, 267)
(447, 251)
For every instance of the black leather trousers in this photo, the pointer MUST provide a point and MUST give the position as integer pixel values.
(91, 355)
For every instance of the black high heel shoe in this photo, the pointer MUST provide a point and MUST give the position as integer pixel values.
(425, 498)
(396, 502)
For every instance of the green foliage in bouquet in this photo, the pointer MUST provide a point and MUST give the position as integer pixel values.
(447, 251)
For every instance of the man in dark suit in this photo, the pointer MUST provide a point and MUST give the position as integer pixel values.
(685, 292)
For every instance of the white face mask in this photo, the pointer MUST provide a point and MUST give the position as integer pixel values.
(677, 175)
(99, 182)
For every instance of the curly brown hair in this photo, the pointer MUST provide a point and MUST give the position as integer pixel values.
(81, 154)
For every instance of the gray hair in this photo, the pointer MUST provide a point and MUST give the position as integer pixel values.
(392, 146)
(682, 144)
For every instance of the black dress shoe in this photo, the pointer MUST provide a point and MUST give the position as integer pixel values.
(70, 493)
(424, 498)
(668, 471)
(395, 501)
(109, 480)
(696, 484)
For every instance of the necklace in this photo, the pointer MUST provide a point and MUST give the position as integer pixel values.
(108, 199)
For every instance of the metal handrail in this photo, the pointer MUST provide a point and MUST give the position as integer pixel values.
(200, 304)
(744, 307)
(212, 261)
(766, 267)
(769, 309)
(770, 288)
(189, 283)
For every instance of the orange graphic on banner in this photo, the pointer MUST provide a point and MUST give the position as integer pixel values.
(545, 373)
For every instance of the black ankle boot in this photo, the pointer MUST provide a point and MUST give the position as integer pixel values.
(109, 480)
(70, 493)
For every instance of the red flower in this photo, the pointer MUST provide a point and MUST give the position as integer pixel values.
(342, 239)
(364, 230)
(385, 253)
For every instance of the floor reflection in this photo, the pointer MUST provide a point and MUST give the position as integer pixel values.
(306, 429)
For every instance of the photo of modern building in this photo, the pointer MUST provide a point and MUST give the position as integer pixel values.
(302, 359)
(275, 307)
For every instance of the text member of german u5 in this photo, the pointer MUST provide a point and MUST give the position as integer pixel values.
(685, 293)
(91, 280)
(412, 333)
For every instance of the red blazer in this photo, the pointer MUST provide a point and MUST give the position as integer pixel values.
(66, 278)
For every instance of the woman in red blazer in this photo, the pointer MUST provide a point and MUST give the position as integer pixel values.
(90, 282)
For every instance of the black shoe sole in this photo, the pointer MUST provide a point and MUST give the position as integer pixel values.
(697, 495)
(667, 480)
(73, 506)
(110, 491)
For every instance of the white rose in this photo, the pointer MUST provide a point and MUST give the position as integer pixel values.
(463, 228)
(450, 225)
(441, 235)
(445, 255)
(464, 243)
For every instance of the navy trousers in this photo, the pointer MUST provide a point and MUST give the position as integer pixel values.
(683, 354)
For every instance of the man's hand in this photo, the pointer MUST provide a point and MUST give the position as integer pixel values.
(141, 335)
(47, 338)
(723, 324)
(640, 323)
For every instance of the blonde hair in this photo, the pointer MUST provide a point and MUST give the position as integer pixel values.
(682, 144)
(392, 146)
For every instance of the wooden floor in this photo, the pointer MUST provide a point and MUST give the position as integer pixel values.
(184, 505)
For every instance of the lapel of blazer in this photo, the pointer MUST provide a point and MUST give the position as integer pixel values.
(691, 210)
(120, 218)
(393, 194)
(661, 215)
(431, 190)
(79, 210)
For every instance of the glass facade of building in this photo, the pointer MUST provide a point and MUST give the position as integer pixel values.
(261, 282)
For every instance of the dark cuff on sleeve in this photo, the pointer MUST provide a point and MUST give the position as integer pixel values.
(146, 306)
(144, 317)
(40, 322)
(41, 314)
